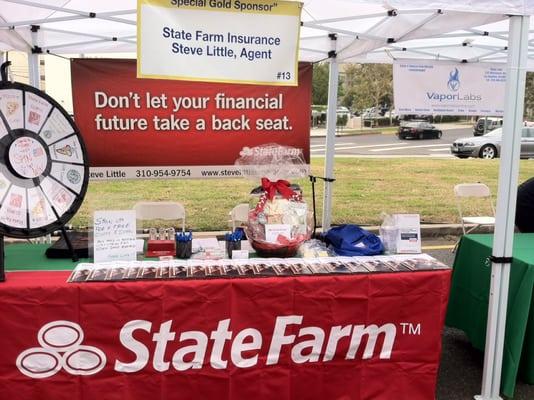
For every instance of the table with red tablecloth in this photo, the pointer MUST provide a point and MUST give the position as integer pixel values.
(358, 336)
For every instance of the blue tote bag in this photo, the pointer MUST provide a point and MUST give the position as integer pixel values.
(352, 240)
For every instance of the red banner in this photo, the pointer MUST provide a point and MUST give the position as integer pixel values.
(127, 121)
(322, 337)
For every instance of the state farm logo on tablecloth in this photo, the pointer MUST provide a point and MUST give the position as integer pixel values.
(61, 347)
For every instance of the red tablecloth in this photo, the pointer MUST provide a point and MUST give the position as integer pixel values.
(256, 338)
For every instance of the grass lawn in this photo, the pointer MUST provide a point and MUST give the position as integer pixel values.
(363, 189)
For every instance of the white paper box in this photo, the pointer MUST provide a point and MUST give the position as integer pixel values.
(409, 236)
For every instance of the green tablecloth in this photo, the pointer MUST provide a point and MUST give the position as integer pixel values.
(31, 257)
(468, 303)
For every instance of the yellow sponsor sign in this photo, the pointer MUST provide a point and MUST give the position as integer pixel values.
(243, 6)
(230, 41)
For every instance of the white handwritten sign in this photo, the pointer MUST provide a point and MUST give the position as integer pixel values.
(114, 236)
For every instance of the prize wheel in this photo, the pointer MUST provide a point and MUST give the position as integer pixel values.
(44, 169)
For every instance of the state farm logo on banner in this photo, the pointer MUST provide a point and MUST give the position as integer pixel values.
(61, 348)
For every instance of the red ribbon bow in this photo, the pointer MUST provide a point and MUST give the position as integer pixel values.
(281, 186)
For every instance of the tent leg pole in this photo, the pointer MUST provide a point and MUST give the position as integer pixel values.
(313, 180)
(33, 60)
(330, 135)
(506, 205)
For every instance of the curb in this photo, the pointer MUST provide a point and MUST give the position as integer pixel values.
(430, 231)
(439, 230)
(378, 132)
(427, 231)
(364, 133)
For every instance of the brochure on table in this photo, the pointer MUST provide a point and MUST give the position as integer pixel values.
(195, 268)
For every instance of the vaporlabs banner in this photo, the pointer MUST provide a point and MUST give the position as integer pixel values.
(438, 88)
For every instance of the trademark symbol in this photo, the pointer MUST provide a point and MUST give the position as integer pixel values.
(410, 329)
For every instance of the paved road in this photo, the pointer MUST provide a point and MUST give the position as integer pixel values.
(388, 145)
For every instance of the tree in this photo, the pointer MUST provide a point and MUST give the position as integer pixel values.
(342, 120)
(367, 85)
(320, 84)
(529, 95)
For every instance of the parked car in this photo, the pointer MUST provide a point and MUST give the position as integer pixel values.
(370, 113)
(391, 113)
(489, 145)
(383, 110)
(417, 117)
(418, 130)
(343, 111)
(491, 124)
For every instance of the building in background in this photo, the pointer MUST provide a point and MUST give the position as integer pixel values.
(19, 67)
(54, 73)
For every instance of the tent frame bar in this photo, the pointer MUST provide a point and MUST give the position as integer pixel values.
(86, 42)
(34, 76)
(419, 25)
(331, 122)
(350, 18)
(109, 16)
(390, 13)
(66, 10)
(87, 35)
(356, 35)
(480, 57)
(490, 34)
(427, 53)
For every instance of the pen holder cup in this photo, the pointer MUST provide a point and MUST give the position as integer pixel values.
(231, 246)
(184, 249)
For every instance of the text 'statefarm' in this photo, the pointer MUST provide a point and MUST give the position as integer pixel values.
(195, 349)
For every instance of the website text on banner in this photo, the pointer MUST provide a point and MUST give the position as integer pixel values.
(440, 88)
(140, 128)
(367, 336)
(243, 41)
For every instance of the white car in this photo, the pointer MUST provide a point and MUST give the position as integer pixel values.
(370, 113)
(343, 111)
(490, 122)
(489, 145)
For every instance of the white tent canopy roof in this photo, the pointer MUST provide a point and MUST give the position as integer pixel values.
(367, 31)
(509, 7)
(465, 46)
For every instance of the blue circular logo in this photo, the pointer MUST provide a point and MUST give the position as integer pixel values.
(454, 80)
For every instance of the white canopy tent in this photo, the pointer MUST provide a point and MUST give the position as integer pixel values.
(78, 26)
(340, 31)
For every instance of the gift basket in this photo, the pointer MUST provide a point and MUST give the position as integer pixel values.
(279, 219)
